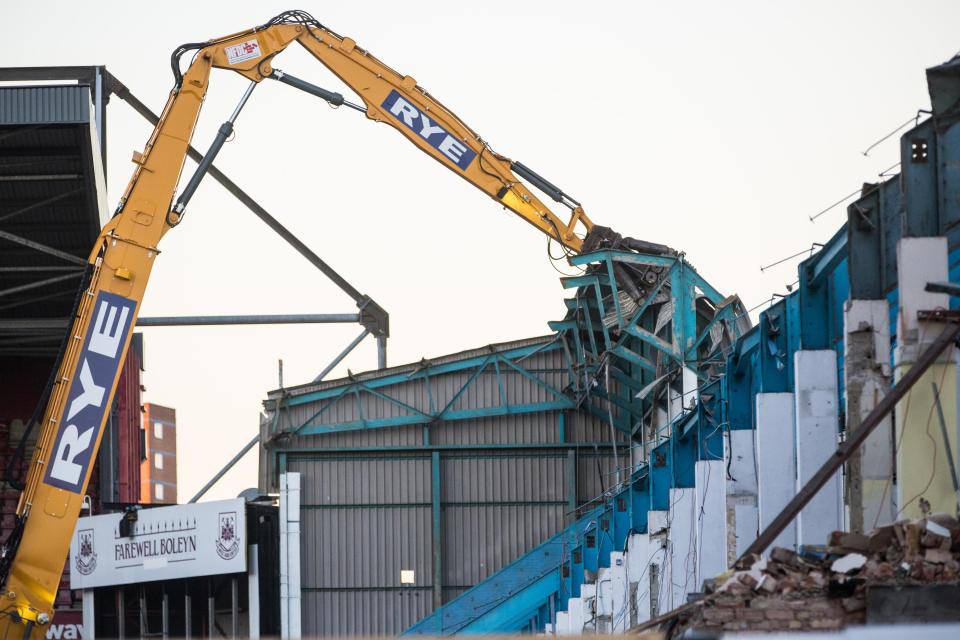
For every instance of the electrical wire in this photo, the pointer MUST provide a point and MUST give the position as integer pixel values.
(836, 204)
(906, 413)
(914, 119)
(809, 251)
(933, 441)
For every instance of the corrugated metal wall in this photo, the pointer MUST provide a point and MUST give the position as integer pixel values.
(364, 519)
(505, 484)
(44, 105)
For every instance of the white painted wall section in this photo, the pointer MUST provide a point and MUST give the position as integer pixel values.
(682, 563)
(654, 587)
(290, 556)
(776, 461)
(919, 261)
(711, 520)
(920, 443)
(817, 411)
(89, 629)
(741, 481)
(638, 579)
(563, 624)
(620, 593)
(588, 603)
(575, 618)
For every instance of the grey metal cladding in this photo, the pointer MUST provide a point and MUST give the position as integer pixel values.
(363, 613)
(585, 427)
(363, 480)
(596, 473)
(350, 548)
(524, 428)
(449, 593)
(44, 105)
(500, 478)
(481, 539)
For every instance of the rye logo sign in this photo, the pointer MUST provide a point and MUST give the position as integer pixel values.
(89, 395)
(436, 136)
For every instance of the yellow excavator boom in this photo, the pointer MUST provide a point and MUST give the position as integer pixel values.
(120, 263)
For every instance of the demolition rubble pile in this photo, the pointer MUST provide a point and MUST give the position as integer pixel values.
(826, 587)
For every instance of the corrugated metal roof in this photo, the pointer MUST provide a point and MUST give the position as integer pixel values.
(411, 367)
(48, 195)
(69, 104)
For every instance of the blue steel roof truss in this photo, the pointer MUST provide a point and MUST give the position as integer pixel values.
(412, 415)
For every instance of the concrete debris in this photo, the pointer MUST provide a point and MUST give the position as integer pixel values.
(848, 563)
(825, 587)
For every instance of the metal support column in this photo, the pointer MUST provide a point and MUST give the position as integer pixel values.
(381, 352)
(290, 318)
(343, 354)
(187, 615)
(570, 478)
(234, 607)
(211, 610)
(143, 613)
(89, 628)
(437, 532)
(553, 613)
(121, 615)
(226, 468)
(165, 613)
(253, 592)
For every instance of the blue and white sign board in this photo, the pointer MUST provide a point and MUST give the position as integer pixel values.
(436, 136)
(179, 541)
(88, 399)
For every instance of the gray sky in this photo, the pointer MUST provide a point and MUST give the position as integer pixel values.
(716, 128)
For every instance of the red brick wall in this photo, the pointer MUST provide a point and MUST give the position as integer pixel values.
(789, 612)
(165, 447)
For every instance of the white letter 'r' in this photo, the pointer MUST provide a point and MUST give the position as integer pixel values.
(72, 444)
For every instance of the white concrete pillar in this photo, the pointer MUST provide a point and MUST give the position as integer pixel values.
(638, 579)
(711, 520)
(89, 629)
(776, 462)
(588, 603)
(290, 556)
(682, 563)
(604, 605)
(817, 433)
(867, 377)
(621, 607)
(253, 592)
(654, 588)
(575, 618)
(563, 624)
(922, 466)
(742, 519)
(919, 261)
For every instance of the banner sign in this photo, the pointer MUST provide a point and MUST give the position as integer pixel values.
(180, 541)
(86, 408)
